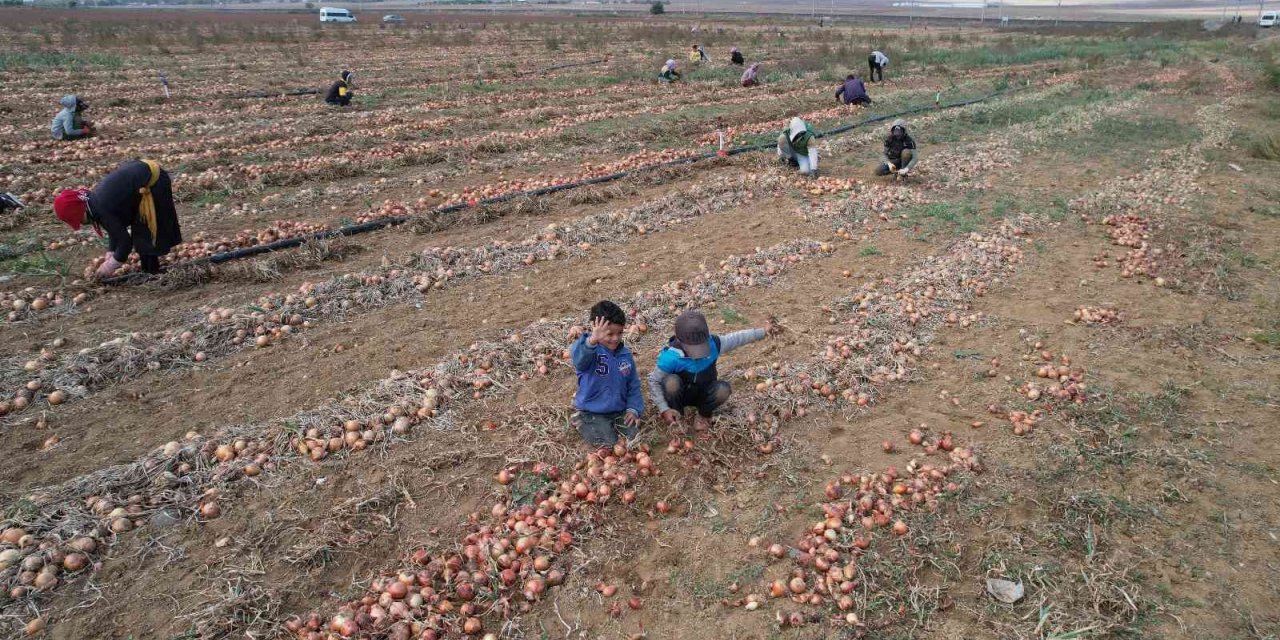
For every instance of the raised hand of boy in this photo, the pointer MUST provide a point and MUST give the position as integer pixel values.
(599, 327)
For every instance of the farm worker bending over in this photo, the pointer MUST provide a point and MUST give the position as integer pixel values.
(134, 204)
(608, 399)
(697, 55)
(686, 371)
(69, 124)
(340, 92)
(735, 57)
(669, 73)
(877, 61)
(853, 91)
(796, 148)
(749, 77)
(899, 151)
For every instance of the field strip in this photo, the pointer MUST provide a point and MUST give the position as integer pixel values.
(216, 332)
(289, 230)
(754, 421)
(126, 357)
(176, 475)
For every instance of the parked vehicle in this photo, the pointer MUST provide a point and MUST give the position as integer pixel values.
(393, 19)
(334, 14)
(1268, 18)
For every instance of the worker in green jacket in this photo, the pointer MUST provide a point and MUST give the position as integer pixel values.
(797, 148)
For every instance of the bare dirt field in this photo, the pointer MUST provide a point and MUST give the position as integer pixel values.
(1028, 392)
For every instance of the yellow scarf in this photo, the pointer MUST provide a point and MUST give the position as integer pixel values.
(147, 206)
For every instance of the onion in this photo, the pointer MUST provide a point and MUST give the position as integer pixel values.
(12, 535)
(210, 510)
(74, 561)
(472, 626)
(46, 580)
(57, 397)
(34, 627)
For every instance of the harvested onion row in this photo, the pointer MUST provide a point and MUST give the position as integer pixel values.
(1130, 206)
(274, 316)
(508, 561)
(827, 576)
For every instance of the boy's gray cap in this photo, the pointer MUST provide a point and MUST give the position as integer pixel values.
(693, 335)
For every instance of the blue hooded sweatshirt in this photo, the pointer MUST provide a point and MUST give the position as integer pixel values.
(607, 380)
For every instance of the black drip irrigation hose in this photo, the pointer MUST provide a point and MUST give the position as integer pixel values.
(350, 230)
(280, 94)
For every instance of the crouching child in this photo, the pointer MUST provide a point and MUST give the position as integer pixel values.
(608, 401)
(686, 372)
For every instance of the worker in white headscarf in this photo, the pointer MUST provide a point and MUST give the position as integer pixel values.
(796, 147)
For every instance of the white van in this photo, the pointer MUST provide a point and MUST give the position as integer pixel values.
(333, 14)
(1268, 19)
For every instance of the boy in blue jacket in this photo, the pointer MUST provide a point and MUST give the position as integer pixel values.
(686, 371)
(608, 399)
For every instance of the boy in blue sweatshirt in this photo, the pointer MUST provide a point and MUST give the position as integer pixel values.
(608, 399)
(686, 371)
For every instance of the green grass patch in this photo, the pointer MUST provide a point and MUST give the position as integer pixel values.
(1265, 145)
(956, 217)
(868, 250)
(730, 316)
(1094, 52)
(991, 120)
(13, 61)
(37, 264)
(1118, 136)
(1271, 338)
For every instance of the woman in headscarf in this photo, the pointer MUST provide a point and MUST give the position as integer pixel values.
(69, 124)
(134, 205)
(669, 72)
(735, 57)
(796, 147)
(750, 77)
(340, 93)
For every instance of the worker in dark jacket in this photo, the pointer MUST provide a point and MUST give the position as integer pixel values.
(853, 91)
(735, 57)
(340, 93)
(134, 205)
(900, 154)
